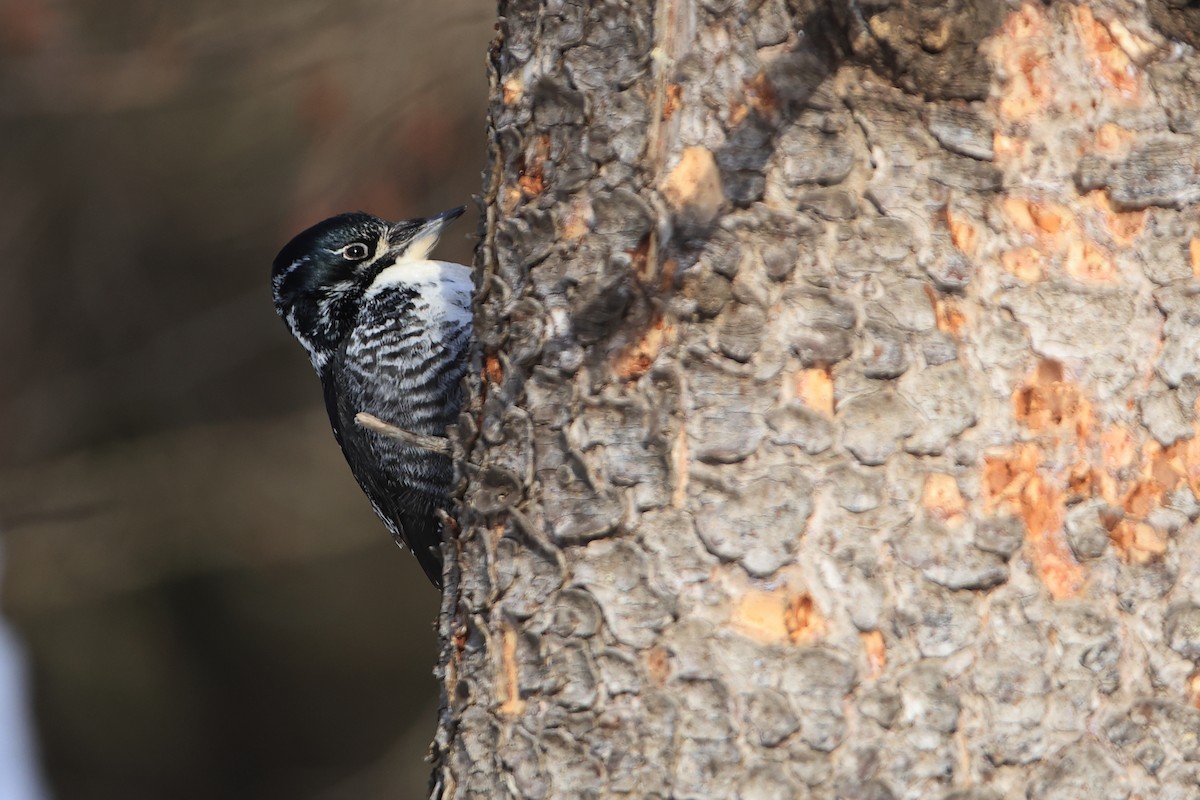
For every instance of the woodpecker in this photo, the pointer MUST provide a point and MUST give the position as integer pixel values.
(387, 330)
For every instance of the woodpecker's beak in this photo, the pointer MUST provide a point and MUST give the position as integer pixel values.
(413, 239)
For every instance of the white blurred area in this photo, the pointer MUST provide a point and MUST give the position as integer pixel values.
(20, 775)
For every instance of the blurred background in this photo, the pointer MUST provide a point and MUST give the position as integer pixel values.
(203, 603)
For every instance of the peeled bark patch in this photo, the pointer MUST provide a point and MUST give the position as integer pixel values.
(693, 189)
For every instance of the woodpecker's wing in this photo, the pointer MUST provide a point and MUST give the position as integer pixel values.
(401, 482)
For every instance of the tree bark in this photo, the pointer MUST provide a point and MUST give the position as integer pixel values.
(836, 432)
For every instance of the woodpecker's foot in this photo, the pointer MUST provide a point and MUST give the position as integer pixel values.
(449, 523)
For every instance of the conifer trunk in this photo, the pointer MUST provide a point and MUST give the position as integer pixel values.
(836, 430)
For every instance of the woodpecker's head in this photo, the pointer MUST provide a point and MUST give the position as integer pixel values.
(319, 277)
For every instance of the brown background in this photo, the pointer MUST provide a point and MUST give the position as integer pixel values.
(209, 606)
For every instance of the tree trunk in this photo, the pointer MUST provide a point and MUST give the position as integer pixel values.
(836, 432)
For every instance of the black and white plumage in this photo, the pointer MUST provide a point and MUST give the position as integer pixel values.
(388, 332)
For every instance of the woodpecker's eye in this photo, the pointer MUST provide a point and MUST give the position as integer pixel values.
(355, 252)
